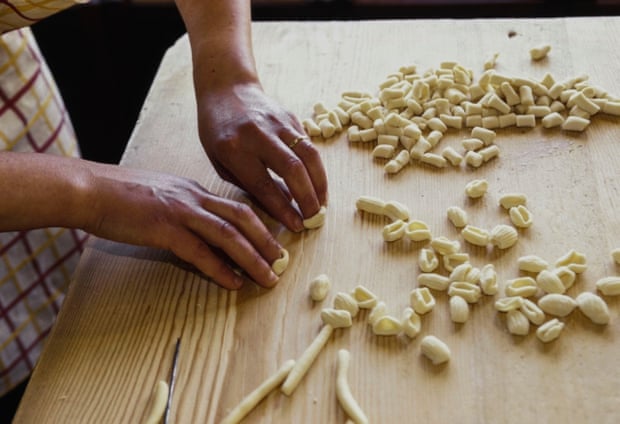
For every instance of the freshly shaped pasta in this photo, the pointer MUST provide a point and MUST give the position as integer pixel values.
(252, 399)
(343, 391)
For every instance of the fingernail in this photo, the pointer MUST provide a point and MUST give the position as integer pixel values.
(238, 282)
(298, 223)
(273, 279)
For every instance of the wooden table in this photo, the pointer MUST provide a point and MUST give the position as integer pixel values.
(115, 336)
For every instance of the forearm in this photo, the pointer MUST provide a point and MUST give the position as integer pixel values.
(38, 190)
(221, 42)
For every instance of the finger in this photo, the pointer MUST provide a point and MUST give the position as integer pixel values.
(224, 235)
(288, 165)
(194, 250)
(256, 180)
(311, 159)
(247, 222)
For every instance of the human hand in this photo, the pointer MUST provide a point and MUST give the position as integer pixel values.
(246, 135)
(153, 209)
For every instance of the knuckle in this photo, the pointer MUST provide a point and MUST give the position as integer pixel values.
(263, 185)
(243, 212)
(226, 230)
(293, 165)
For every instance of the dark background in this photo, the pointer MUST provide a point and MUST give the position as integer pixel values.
(105, 55)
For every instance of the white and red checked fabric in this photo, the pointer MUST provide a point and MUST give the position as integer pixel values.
(35, 266)
(20, 13)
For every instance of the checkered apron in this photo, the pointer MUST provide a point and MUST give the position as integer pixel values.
(35, 266)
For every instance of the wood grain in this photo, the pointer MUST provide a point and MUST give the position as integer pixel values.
(115, 337)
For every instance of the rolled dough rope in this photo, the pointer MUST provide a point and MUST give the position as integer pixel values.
(343, 392)
(252, 399)
(306, 359)
(158, 404)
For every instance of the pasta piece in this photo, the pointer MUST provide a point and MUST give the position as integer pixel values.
(252, 399)
(489, 153)
(457, 216)
(574, 260)
(388, 140)
(526, 95)
(346, 302)
(474, 159)
(317, 220)
(411, 323)
(394, 231)
(452, 260)
(609, 286)
(459, 309)
(550, 282)
(593, 307)
(398, 163)
(444, 246)
(476, 236)
(435, 350)
(328, 129)
(370, 204)
(566, 275)
(396, 210)
(488, 280)
(383, 151)
(510, 303)
(422, 146)
(498, 104)
(434, 160)
(552, 120)
(575, 123)
(579, 99)
(417, 231)
(158, 403)
(468, 291)
(522, 286)
(422, 301)
(452, 156)
(343, 392)
(550, 330)
(504, 236)
(511, 200)
(306, 359)
(532, 263)
(434, 281)
(364, 297)
(476, 188)
(379, 310)
(538, 111)
(517, 323)
(526, 121)
(337, 318)
(361, 120)
(279, 265)
(470, 144)
(427, 260)
(387, 326)
(520, 216)
(312, 129)
(533, 312)
(319, 287)
(508, 120)
(556, 304)
(437, 125)
(434, 137)
(490, 122)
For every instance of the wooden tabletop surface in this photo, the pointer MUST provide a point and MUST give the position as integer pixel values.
(127, 306)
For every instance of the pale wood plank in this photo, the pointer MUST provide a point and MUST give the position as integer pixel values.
(116, 333)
